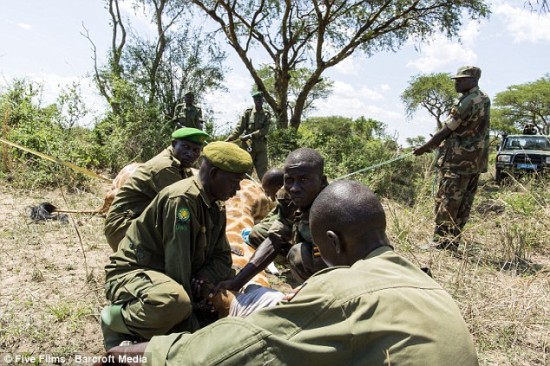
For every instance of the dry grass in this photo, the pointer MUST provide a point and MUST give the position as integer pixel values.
(501, 277)
(51, 281)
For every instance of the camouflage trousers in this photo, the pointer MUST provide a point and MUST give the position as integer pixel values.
(453, 203)
(304, 259)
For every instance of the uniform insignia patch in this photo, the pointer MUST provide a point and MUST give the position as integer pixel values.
(183, 216)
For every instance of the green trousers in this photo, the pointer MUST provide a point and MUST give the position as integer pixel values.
(152, 303)
(303, 262)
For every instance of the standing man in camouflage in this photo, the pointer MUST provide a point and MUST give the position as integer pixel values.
(186, 114)
(252, 130)
(463, 156)
(177, 244)
(171, 165)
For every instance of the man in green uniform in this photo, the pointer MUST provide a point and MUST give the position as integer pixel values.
(463, 156)
(171, 165)
(373, 308)
(186, 114)
(174, 246)
(272, 183)
(252, 130)
(289, 234)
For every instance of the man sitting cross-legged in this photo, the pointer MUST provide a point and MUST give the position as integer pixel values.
(372, 307)
(177, 243)
(272, 184)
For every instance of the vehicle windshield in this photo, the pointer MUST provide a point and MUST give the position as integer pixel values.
(527, 143)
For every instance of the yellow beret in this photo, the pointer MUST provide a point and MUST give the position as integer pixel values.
(228, 157)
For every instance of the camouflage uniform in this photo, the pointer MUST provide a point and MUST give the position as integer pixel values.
(179, 236)
(255, 123)
(382, 310)
(290, 229)
(284, 206)
(140, 189)
(187, 116)
(462, 158)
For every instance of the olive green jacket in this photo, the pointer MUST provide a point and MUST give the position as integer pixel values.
(187, 116)
(181, 233)
(139, 190)
(381, 311)
(292, 224)
(255, 123)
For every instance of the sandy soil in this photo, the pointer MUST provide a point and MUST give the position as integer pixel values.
(51, 278)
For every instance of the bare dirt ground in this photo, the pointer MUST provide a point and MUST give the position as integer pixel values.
(51, 276)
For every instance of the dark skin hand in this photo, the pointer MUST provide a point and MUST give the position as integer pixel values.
(462, 85)
(198, 287)
(434, 141)
(133, 352)
(265, 254)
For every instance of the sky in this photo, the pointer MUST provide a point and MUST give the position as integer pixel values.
(43, 41)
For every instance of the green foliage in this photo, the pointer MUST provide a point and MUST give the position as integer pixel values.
(298, 78)
(146, 77)
(315, 36)
(433, 92)
(416, 141)
(281, 142)
(48, 130)
(348, 146)
(522, 104)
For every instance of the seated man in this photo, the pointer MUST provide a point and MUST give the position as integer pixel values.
(375, 308)
(179, 238)
(303, 180)
(171, 165)
(272, 182)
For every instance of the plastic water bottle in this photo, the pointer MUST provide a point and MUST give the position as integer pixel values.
(245, 233)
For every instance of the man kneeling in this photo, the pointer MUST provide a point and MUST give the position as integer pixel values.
(177, 244)
(373, 307)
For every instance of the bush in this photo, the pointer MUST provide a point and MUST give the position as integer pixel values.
(351, 145)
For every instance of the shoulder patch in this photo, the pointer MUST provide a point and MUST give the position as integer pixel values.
(183, 215)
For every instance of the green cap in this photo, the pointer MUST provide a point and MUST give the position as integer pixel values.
(189, 94)
(257, 94)
(228, 157)
(468, 72)
(190, 134)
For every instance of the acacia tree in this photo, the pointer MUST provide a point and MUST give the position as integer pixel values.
(319, 34)
(320, 91)
(522, 104)
(146, 76)
(433, 92)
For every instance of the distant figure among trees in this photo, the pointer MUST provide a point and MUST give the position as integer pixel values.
(186, 114)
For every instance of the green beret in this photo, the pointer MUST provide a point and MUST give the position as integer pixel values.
(228, 157)
(257, 94)
(190, 134)
(468, 72)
